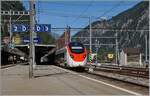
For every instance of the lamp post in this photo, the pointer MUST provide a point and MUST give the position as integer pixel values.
(97, 47)
(146, 47)
(10, 33)
(117, 48)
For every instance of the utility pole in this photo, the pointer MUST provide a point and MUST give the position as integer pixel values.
(34, 35)
(90, 34)
(116, 47)
(31, 55)
(90, 25)
(149, 47)
(10, 33)
(69, 32)
(146, 47)
(97, 47)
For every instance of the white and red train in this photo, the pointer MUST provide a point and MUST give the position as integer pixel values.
(72, 55)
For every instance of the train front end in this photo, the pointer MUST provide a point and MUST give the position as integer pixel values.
(76, 55)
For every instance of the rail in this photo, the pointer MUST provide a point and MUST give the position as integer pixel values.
(124, 70)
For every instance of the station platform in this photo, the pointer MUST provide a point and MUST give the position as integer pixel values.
(53, 80)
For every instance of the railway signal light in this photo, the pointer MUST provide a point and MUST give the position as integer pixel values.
(90, 58)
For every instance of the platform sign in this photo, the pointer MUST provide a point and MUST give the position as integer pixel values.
(110, 56)
(16, 39)
(20, 28)
(42, 28)
(35, 40)
(25, 28)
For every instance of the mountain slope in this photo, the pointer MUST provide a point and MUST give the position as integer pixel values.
(131, 26)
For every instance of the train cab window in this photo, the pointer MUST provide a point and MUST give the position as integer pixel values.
(76, 47)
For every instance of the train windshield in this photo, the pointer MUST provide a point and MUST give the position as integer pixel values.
(76, 47)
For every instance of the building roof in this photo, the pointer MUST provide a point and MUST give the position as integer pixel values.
(132, 50)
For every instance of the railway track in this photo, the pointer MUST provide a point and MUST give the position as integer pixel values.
(123, 70)
(128, 75)
(132, 75)
(137, 87)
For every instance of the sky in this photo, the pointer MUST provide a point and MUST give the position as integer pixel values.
(76, 13)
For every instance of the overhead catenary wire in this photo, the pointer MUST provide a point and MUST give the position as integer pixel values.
(112, 9)
(69, 4)
(62, 14)
(78, 3)
(115, 6)
(90, 5)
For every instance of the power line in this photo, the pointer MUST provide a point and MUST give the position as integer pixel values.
(90, 4)
(72, 15)
(52, 11)
(85, 16)
(63, 15)
(75, 4)
(55, 13)
(72, 4)
(112, 9)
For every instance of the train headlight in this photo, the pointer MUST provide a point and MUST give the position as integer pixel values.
(84, 56)
(72, 56)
